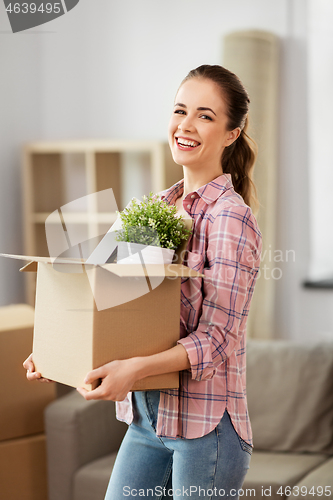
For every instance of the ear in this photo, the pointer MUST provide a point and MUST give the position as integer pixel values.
(232, 136)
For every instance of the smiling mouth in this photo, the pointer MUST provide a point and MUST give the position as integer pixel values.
(186, 144)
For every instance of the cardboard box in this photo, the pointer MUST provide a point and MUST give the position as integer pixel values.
(86, 316)
(22, 402)
(23, 471)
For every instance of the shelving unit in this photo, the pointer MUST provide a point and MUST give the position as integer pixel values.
(55, 174)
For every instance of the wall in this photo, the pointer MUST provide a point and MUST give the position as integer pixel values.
(20, 121)
(116, 69)
(320, 74)
(304, 200)
(111, 69)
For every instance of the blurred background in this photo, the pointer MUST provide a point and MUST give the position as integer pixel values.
(110, 70)
(85, 102)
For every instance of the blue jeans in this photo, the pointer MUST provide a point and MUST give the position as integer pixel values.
(209, 467)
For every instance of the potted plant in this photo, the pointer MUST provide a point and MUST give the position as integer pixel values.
(151, 226)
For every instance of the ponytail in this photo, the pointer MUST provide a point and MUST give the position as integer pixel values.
(238, 160)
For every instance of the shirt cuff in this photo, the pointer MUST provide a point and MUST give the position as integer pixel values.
(199, 351)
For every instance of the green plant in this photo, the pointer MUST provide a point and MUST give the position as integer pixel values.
(152, 222)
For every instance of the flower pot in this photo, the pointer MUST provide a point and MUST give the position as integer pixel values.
(134, 253)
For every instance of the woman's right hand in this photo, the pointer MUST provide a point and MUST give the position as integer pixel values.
(31, 373)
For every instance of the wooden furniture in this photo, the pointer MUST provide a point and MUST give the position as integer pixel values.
(57, 173)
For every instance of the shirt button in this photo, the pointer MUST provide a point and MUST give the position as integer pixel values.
(192, 195)
(188, 206)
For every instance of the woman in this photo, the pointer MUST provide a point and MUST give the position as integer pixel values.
(197, 441)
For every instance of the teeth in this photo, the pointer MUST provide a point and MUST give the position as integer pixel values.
(184, 142)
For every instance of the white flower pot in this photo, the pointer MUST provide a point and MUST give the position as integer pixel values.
(132, 253)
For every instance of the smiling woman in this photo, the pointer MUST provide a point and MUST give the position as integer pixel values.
(198, 437)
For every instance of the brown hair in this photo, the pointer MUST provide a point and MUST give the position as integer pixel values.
(238, 159)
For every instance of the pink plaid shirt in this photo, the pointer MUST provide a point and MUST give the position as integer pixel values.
(225, 246)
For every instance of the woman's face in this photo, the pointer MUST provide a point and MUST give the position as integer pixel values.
(198, 126)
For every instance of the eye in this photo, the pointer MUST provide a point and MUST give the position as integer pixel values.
(206, 117)
(179, 111)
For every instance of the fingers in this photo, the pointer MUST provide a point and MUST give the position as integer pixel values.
(94, 375)
(104, 392)
(31, 376)
(116, 381)
(30, 367)
(88, 395)
(90, 378)
(31, 373)
(82, 391)
(100, 394)
(28, 364)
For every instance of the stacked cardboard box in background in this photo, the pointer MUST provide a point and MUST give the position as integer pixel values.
(22, 441)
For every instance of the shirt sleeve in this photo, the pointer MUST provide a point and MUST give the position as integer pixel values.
(231, 269)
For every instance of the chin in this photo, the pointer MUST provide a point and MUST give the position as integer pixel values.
(180, 157)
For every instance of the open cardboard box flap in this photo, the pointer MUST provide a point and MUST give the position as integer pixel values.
(121, 270)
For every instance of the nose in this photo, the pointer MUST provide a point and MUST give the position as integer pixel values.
(186, 124)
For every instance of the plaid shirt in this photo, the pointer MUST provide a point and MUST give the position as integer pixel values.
(225, 246)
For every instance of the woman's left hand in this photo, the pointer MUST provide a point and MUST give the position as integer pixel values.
(117, 377)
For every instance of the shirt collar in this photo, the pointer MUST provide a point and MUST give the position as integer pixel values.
(208, 193)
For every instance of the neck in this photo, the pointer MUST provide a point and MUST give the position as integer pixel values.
(195, 179)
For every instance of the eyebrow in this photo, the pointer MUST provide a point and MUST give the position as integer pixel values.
(198, 109)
